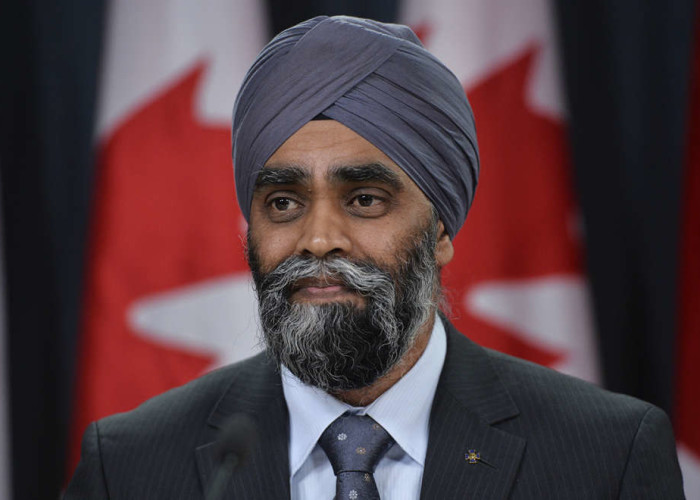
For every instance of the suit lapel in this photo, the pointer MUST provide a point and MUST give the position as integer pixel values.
(470, 399)
(256, 392)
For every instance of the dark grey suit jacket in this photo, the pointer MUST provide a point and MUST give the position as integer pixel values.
(540, 435)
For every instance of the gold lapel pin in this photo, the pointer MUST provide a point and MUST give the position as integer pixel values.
(472, 456)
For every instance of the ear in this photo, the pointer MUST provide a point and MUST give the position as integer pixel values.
(444, 251)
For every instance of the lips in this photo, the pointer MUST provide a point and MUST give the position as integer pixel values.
(323, 288)
(323, 282)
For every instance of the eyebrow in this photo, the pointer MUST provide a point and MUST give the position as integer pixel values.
(367, 173)
(286, 175)
(273, 176)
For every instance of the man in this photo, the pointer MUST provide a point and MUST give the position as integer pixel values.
(356, 162)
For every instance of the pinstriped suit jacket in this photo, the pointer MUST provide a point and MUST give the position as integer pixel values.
(540, 434)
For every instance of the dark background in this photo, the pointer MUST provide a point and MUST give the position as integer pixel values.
(627, 69)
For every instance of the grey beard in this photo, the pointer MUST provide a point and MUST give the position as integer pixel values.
(340, 346)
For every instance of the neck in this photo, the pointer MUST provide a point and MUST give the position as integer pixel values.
(366, 395)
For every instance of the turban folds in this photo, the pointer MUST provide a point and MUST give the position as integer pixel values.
(379, 81)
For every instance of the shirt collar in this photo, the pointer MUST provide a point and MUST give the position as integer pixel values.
(403, 410)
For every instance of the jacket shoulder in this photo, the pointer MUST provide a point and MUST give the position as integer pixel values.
(599, 440)
(134, 454)
(181, 407)
(535, 386)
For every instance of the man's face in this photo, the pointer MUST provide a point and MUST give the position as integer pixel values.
(345, 251)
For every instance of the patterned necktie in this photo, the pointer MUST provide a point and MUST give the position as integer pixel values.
(354, 445)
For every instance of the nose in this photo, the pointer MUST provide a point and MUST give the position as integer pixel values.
(324, 232)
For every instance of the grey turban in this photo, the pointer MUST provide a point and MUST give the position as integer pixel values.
(379, 81)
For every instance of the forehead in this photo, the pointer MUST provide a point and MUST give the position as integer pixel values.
(321, 145)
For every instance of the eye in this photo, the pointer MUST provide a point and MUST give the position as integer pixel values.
(283, 208)
(283, 204)
(366, 200)
(368, 205)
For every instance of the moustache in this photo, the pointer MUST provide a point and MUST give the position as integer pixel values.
(297, 272)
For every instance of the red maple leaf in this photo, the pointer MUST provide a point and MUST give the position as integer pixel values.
(520, 225)
(165, 216)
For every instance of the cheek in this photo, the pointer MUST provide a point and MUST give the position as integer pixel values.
(381, 242)
(272, 246)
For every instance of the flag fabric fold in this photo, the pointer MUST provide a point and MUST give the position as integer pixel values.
(517, 283)
(168, 293)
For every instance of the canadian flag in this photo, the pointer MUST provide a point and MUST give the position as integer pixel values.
(687, 414)
(168, 293)
(517, 283)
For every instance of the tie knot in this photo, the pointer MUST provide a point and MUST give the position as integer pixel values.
(355, 443)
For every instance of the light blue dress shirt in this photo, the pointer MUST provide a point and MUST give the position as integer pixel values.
(403, 410)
